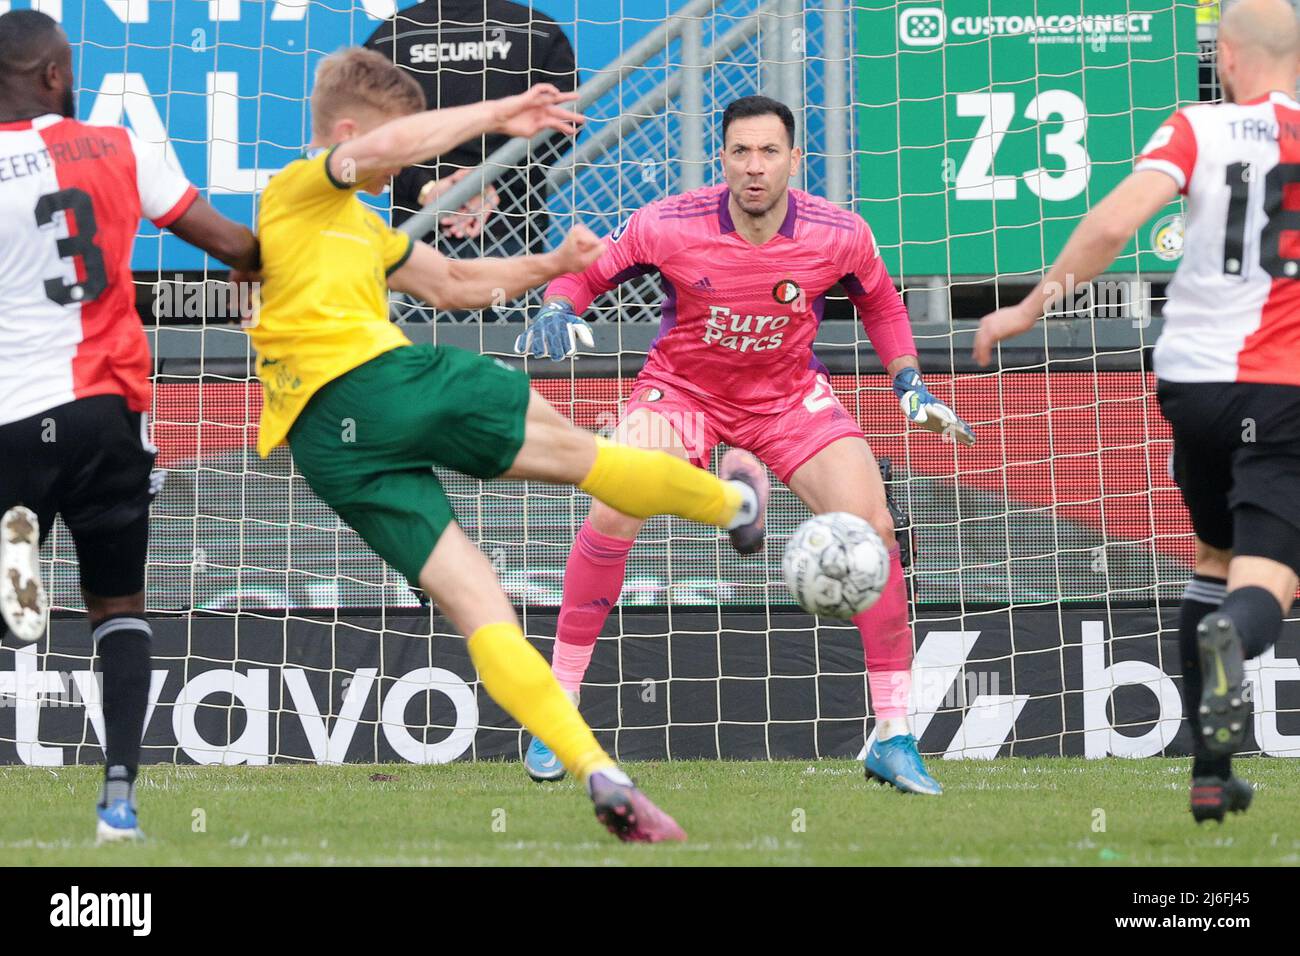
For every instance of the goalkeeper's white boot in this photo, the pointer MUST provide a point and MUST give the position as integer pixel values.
(23, 603)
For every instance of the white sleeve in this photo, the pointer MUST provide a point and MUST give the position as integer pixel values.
(165, 192)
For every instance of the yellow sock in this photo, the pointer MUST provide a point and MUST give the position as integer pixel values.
(643, 484)
(519, 680)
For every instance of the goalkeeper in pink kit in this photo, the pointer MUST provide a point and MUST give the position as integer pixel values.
(747, 266)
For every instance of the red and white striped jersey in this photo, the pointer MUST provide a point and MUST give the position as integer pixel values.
(71, 199)
(1233, 313)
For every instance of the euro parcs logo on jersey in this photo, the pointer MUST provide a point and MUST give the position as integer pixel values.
(922, 26)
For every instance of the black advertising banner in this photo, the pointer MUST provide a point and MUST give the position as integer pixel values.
(693, 684)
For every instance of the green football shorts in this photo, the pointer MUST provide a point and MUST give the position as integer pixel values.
(367, 442)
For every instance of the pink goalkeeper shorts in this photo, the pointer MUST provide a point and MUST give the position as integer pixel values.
(783, 439)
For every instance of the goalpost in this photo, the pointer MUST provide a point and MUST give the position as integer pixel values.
(970, 140)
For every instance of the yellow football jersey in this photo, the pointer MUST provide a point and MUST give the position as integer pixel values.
(326, 259)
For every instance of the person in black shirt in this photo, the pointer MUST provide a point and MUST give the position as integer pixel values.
(465, 51)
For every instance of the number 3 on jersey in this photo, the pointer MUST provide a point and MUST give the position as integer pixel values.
(79, 213)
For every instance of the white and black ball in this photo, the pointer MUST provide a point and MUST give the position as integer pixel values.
(835, 565)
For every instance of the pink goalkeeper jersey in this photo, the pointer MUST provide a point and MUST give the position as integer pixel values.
(738, 320)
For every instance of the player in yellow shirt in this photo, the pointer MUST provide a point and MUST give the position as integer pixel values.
(367, 414)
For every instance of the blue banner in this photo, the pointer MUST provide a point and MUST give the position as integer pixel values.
(224, 82)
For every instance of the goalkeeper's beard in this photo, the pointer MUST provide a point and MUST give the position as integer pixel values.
(757, 213)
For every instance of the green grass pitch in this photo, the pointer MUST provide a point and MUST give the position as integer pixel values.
(1002, 812)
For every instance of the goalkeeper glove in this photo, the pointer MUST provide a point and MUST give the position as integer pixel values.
(927, 411)
(554, 333)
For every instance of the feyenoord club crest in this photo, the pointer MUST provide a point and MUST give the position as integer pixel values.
(786, 291)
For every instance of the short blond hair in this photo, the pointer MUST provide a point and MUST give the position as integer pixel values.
(356, 78)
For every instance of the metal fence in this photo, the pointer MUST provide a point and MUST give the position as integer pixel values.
(654, 129)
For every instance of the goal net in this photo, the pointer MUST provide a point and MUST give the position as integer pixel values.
(971, 140)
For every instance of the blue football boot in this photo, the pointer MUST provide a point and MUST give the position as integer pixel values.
(897, 762)
(117, 822)
(541, 764)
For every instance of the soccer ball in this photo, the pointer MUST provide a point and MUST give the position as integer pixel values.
(835, 565)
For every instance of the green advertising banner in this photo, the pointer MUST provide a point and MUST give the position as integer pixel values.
(985, 130)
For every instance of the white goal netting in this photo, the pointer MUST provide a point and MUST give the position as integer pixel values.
(970, 139)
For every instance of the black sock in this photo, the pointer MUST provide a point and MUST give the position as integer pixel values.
(123, 644)
(1202, 595)
(1257, 617)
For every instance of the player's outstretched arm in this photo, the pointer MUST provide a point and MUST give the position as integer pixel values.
(205, 228)
(885, 319)
(1091, 248)
(418, 138)
(554, 331)
(477, 283)
(921, 407)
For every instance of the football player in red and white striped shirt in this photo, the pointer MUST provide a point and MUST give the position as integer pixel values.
(1227, 362)
(74, 367)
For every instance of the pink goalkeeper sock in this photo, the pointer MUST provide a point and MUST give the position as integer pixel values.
(593, 579)
(887, 645)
